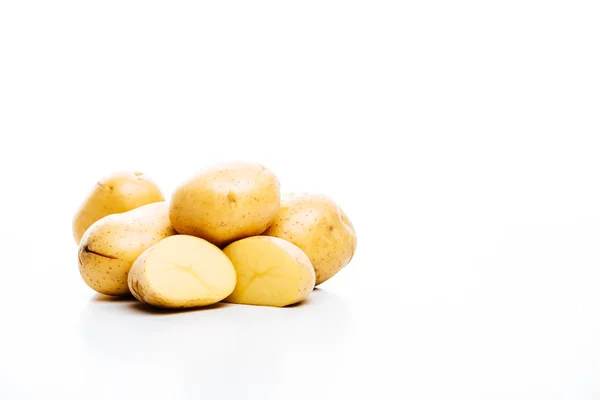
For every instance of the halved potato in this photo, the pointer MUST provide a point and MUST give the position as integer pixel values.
(182, 271)
(270, 272)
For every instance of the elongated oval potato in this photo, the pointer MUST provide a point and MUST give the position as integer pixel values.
(180, 272)
(270, 272)
(112, 244)
(226, 202)
(317, 225)
(116, 193)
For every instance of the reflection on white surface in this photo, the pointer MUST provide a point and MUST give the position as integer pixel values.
(516, 317)
(222, 351)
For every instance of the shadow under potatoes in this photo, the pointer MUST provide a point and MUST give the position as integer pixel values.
(102, 298)
(145, 308)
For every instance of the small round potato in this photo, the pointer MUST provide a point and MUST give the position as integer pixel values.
(320, 228)
(111, 245)
(182, 271)
(226, 202)
(116, 193)
(270, 272)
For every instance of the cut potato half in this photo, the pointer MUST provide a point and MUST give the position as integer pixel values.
(270, 272)
(180, 272)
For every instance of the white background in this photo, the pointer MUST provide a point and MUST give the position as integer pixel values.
(461, 137)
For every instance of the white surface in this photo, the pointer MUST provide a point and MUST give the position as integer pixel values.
(460, 137)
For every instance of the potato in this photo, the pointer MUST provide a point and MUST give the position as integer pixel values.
(226, 202)
(111, 245)
(182, 271)
(270, 272)
(320, 228)
(117, 193)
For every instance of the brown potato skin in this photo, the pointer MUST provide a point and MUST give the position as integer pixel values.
(112, 244)
(114, 194)
(226, 202)
(319, 227)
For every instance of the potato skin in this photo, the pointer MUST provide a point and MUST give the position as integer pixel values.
(110, 246)
(318, 226)
(135, 278)
(114, 194)
(226, 202)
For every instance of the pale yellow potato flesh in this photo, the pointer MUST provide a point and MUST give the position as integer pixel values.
(270, 272)
(110, 246)
(180, 272)
(115, 194)
(226, 202)
(318, 226)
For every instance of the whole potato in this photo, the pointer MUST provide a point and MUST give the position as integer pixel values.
(111, 245)
(318, 226)
(226, 202)
(116, 193)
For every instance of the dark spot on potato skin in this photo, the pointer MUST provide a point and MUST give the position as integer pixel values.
(88, 250)
(103, 186)
(232, 199)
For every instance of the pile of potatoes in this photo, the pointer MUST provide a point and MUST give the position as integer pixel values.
(226, 235)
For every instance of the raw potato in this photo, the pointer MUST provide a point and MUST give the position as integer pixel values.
(117, 193)
(111, 245)
(320, 228)
(270, 272)
(182, 271)
(226, 202)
